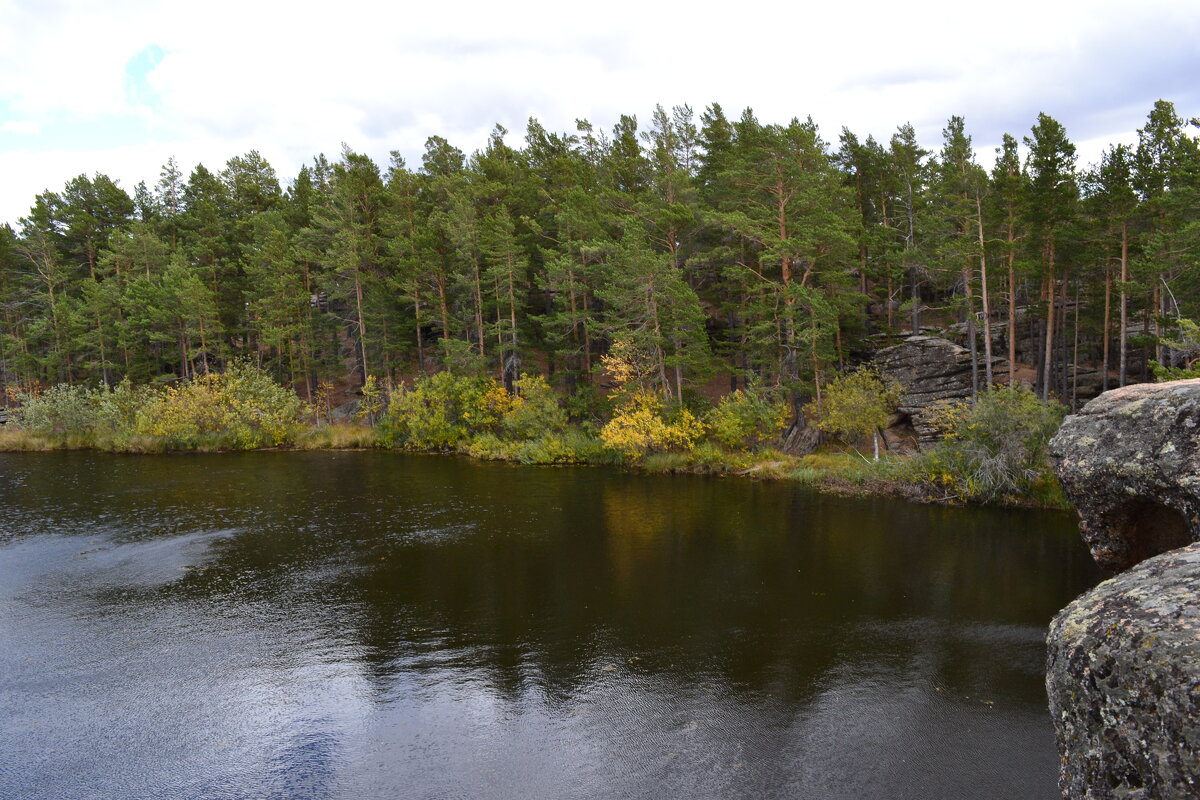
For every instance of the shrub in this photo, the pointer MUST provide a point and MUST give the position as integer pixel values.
(442, 411)
(587, 405)
(856, 405)
(371, 402)
(566, 447)
(643, 425)
(534, 412)
(62, 411)
(117, 413)
(242, 408)
(744, 420)
(1186, 344)
(996, 447)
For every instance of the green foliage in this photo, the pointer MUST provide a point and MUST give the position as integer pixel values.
(1162, 373)
(535, 411)
(240, 409)
(566, 447)
(443, 411)
(857, 404)
(62, 411)
(994, 449)
(117, 414)
(587, 405)
(372, 401)
(476, 416)
(745, 420)
(1187, 345)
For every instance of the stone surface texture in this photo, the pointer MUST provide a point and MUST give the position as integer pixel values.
(1130, 464)
(1123, 679)
(932, 371)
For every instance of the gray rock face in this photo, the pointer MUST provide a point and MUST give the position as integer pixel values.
(932, 371)
(1130, 463)
(1123, 678)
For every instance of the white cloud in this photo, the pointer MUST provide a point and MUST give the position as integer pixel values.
(295, 80)
(22, 127)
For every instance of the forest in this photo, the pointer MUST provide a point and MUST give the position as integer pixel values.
(693, 251)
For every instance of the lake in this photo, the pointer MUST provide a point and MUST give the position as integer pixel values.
(367, 625)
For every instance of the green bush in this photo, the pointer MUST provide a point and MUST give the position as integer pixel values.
(242, 408)
(535, 411)
(588, 406)
(745, 420)
(62, 411)
(442, 411)
(856, 405)
(117, 414)
(565, 447)
(993, 449)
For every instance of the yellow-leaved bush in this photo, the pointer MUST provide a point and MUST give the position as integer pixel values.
(642, 425)
(241, 408)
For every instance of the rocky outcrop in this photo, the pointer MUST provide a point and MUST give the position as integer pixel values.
(1123, 679)
(1130, 463)
(933, 372)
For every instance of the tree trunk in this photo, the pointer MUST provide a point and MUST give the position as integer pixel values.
(1063, 394)
(1051, 295)
(1012, 313)
(441, 284)
(420, 333)
(658, 353)
(1122, 375)
(972, 344)
(1075, 358)
(362, 323)
(478, 306)
(916, 302)
(1106, 334)
(983, 292)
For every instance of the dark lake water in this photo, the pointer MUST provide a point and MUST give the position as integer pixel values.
(374, 625)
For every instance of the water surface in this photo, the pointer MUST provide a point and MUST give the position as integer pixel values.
(374, 625)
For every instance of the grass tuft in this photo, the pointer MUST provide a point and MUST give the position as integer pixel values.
(16, 439)
(339, 436)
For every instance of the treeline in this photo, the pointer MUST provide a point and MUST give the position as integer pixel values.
(690, 247)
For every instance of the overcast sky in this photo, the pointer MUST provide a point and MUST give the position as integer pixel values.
(118, 87)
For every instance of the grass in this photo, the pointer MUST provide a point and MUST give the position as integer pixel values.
(16, 440)
(339, 436)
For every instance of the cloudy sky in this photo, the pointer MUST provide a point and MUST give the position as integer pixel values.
(118, 87)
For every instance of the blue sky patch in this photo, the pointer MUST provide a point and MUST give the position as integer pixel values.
(137, 69)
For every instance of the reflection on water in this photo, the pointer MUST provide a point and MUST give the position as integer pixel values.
(362, 625)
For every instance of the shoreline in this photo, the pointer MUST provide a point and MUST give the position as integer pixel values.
(841, 473)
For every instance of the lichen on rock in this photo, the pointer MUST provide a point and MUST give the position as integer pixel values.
(1141, 498)
(1123, 680)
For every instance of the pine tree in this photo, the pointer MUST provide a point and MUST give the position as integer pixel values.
(1051, 211)
(1009, 195)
